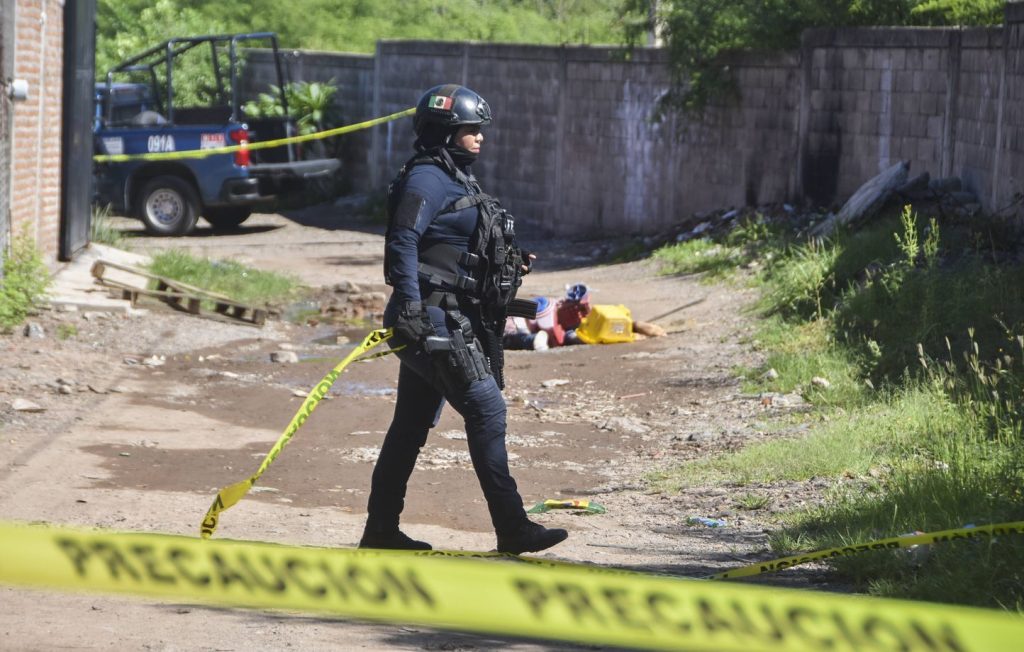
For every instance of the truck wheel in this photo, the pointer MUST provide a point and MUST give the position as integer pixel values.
(168, 206)
(226, 217)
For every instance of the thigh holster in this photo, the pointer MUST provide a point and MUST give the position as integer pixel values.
(459, 359)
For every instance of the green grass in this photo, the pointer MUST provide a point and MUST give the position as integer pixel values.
(715, 261)
(840, 443)
(918, 326)
(66, 331)
(956, 482)
(752, 502)
(241, 283)
(800, 352)
(102, 230)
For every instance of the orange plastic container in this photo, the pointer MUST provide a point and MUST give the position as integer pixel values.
(606, 324)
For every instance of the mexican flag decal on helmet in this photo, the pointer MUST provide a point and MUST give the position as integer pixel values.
(442, 102)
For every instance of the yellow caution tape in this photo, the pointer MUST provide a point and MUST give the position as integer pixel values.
(264, 144)
(230, 495)
(892, 543)
(555, 603)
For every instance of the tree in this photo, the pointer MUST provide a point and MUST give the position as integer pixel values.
(125, 27)
(697, 33)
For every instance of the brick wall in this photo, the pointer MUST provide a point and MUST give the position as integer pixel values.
(6, 72)
(36, 124)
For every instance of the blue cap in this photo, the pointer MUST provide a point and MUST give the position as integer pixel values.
(577, 292)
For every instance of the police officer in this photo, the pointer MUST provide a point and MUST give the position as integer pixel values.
(451, 258)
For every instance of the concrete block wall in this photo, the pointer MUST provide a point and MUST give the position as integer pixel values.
(948, 100)
(36, 124)
(976, 109)
(1010, 171)
(353, 74)
(742, 152)
(875, 97)
(575, 150)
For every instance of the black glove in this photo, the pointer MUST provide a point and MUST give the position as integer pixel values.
(527, 262)
(413, 323)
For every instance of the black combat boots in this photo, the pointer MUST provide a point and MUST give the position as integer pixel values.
(391, 540)
(530, 537)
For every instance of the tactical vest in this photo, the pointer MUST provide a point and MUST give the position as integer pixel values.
(489, 272)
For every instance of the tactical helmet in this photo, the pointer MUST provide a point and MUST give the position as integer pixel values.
(450, 106)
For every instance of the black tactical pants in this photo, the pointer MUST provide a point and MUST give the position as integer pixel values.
(421, 396)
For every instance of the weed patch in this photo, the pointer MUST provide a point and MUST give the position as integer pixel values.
(918, 327)
(239, 282)
(24, 282)
(103, 231)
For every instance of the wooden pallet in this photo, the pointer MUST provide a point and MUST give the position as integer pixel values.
(126, 280)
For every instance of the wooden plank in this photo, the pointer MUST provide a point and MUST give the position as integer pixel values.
(175, 293)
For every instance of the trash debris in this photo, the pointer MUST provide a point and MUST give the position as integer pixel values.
(917, 554)
(706, 522)
(581, 504)
(554, 382)
(648, 329)
(25, 405)
(867, 200)
(284, 357)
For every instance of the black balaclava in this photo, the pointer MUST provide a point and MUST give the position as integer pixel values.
(435, 135)
(462, 156)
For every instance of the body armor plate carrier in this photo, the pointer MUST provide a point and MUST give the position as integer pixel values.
(483, 279)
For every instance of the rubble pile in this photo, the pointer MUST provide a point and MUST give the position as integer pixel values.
(944, 198)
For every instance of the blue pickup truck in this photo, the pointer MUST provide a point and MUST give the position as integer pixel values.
(142, 108)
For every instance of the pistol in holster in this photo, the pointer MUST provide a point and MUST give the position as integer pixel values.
(459, 359)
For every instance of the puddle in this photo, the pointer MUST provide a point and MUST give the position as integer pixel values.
(348, 335)
(350, 388)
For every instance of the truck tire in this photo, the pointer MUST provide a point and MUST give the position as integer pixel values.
(222, 218)
(168, 205)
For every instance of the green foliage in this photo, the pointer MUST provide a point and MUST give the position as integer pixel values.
(309, 103)
(960, 12)
(128, 27)
(803, 279)
(23, 283)
(799, 352)
(909, 240)
(125, 27)
(697, 33)
(928, 317)
(239, 282)
(954, 480)
(845, 445)
(751, 501)
(992, 388)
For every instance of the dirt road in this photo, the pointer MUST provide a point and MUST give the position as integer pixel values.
(135, 442)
